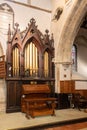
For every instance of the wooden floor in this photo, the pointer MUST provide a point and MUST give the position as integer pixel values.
(77, 126)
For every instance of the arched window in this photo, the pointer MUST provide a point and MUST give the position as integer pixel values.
(74, 58)
(15, 57)
(31, 60)
(46, 64)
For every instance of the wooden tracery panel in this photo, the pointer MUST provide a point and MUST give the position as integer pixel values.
(30, 51)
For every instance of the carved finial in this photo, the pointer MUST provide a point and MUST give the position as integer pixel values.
(47, 31)
(28, 24)
(52, 40)
(46, 36)
(17, 25)
(9, 33)
(52, 36)
(32, 20)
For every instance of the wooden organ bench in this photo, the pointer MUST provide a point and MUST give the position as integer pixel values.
(36, 100)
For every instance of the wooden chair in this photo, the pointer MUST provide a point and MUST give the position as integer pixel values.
(79, 101)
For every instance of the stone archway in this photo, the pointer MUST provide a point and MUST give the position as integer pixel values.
(70, 30)
(68, 34)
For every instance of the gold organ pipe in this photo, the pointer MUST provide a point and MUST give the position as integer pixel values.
(33, 57)
(17, 65)
(36, 60)
(16, 61)
(25, 58)
(26, 54)
(28, 65)
(44, 60)
(46, 63)
(13, 62)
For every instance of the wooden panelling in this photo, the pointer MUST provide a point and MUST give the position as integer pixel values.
(82, 92)
(13, 96)
(67, 86)
(2, 67)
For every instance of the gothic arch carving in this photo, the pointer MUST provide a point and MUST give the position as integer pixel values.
(6, 7)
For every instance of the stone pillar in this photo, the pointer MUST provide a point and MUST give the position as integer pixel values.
(2, 95)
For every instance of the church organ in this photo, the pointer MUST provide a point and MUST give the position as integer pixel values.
(28, 61)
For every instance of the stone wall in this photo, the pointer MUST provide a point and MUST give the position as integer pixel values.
(2, 95)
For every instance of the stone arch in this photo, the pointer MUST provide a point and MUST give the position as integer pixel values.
(70, 30)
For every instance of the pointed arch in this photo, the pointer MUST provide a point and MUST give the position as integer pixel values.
(70, 30)
(5, 6)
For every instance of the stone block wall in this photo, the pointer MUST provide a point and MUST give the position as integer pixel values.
(2, 95)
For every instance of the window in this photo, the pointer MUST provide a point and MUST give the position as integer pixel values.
(74, 58)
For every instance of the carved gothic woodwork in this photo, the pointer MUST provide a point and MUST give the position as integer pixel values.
(30, 53)
(29, 61)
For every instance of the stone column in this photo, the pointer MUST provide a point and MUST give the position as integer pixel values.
(2, 95)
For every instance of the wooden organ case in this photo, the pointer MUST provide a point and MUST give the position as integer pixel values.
(29, 61)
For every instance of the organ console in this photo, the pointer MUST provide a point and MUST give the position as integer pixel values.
(36, 100)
